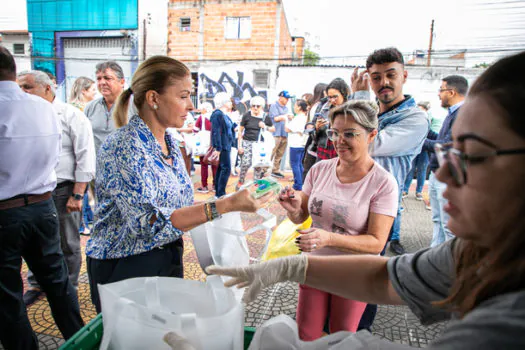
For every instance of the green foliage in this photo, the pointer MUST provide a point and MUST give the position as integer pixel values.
(482, 65)
(310, 58)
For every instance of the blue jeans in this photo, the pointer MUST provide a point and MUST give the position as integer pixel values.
(32, 232)
(223, 173)
(87, 212)
(420, 165)
(440, 218)
(296, 162)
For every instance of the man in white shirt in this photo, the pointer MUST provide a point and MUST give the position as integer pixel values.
(76, 167)
(30, 139)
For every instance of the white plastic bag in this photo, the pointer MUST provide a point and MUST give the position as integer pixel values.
(261, 155)
(222, 241)
(281, 333)
(138, 312)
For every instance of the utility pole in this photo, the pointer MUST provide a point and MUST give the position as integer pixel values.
(429, 55)
(144, 38)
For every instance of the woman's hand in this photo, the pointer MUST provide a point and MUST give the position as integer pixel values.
(217, 153)
(240, 150)
(262, 125)
(244, 201)
(289, 201)
(312, 239)
(320, 122)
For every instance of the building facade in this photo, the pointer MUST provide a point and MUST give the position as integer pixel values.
(69, 37)
(18, 43)
(232, 45)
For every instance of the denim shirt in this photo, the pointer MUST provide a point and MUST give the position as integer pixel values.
(401, 134)
(222, 136)
(133, 183)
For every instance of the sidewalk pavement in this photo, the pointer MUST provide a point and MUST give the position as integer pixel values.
(396, 323)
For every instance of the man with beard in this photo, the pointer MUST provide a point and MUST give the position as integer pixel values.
(452, 93)
(402, 130)
(403, 127)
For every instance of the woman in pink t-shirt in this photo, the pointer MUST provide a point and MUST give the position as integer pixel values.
(353, 202)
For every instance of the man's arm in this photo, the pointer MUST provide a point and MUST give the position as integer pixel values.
(430, 143)
(84, 151)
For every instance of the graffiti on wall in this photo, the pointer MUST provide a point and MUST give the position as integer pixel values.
(240, 89)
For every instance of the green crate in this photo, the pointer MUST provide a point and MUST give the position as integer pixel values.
(90, 336)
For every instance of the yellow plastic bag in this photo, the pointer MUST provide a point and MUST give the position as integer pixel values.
(283, 238)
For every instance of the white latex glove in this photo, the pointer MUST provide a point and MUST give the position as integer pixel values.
(262, 275)
(177, 342)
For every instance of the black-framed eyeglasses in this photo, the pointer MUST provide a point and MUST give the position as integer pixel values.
(333, 135)
(256, 106)
(441, 90)
(457, 160)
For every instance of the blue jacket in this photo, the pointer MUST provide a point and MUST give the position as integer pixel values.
(222, 135)
(401, 134)
(444, 136)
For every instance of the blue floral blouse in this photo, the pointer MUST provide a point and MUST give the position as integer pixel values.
(133, 183)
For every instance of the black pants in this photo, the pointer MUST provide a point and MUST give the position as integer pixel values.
(165, 262)
(32, 232)
(308, 162)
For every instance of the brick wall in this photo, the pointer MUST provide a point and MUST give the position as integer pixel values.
(183, 45)
(260, 45)
(285, 41)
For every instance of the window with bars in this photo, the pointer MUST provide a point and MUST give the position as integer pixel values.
(185, 24)
(19, 49)
(261, 78)
(238, 28)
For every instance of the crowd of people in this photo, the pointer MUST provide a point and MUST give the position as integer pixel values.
(352, 160)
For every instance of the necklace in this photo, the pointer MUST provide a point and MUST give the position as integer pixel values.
(168, 146)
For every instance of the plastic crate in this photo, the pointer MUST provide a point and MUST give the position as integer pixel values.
(90, 336)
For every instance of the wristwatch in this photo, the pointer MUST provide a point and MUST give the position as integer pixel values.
(214, 213)
(77, 196)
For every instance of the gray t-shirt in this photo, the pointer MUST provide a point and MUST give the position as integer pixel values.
(426, 276)
(101, 120)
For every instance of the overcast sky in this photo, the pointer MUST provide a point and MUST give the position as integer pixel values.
(353, 28)
(349, 28)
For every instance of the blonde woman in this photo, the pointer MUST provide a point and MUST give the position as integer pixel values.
(82, 92)
(145, 196)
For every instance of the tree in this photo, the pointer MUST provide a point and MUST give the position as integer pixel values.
(310, 58)
(482, 65)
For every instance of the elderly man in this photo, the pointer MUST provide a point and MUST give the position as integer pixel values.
(76, 167)
(280, 115)
(30, 136)
(110, 83)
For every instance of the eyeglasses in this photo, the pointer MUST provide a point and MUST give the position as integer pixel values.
(334, 97)
(441, 90)
(333, 135)
(457, 161)
(256, 106)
